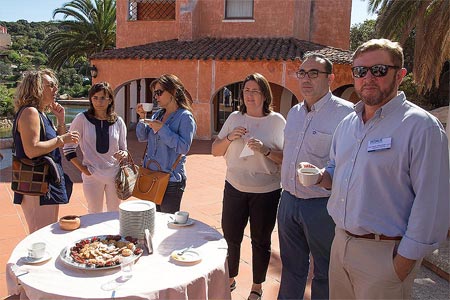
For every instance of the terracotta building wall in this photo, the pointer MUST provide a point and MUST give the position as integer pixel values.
(330, 23)
(204, 78)
(325, 22)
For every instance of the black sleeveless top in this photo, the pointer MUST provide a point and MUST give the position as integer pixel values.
(58, 193)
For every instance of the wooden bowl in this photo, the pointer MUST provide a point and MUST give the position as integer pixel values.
(68, 223)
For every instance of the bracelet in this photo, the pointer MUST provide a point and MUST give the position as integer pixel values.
(60, 140)
(229, 138)
(268, 152)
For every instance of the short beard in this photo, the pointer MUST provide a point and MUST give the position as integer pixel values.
(380, 99)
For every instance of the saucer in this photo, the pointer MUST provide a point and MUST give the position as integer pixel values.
(29, 260)
(189, 256)
(188, 223)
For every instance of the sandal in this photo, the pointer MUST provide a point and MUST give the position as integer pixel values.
(233, 286)
(257, 294)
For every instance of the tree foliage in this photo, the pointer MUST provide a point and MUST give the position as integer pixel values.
(88, 27)
(362, 32)
(429, 21)
(28, 52)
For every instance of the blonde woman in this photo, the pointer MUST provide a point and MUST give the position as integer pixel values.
(35, 95)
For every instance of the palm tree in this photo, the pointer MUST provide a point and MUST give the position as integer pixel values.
(429, 21)
(89, 26)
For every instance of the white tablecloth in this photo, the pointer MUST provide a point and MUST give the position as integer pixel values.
(155, 276)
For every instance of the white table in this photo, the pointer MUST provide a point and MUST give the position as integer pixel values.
(155, 276)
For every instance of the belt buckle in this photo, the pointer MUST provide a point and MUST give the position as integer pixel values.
(377, 237)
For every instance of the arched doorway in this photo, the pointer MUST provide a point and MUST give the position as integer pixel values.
(227, 99)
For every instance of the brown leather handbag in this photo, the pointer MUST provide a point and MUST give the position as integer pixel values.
(151, 185)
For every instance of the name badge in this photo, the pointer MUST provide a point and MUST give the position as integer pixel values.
(379, 144)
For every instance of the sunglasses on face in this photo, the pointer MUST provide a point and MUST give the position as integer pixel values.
(376, 70)
(158, 92)
(311, 73)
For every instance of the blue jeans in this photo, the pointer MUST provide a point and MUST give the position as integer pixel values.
(172, 197)
(304, 227)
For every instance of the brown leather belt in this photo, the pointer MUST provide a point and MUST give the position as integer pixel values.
(373, 236)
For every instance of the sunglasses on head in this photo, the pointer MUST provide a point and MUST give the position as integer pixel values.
(158, 92)
(376, 70)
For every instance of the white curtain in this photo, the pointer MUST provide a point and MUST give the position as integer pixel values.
(239, 8)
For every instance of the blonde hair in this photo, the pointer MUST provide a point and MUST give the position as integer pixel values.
(31, 89)
(394, 49)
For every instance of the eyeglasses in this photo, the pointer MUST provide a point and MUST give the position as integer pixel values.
(376, 70)
(158, 92)
(100, 98)
(52, 85)
(311, 73)
(252, 92)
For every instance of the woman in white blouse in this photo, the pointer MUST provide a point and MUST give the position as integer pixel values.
(103, 142)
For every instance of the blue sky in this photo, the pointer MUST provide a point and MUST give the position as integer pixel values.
(42, 10)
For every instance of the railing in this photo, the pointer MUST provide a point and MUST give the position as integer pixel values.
(151, 10)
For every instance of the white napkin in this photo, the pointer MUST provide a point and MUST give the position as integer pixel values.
(246, 151)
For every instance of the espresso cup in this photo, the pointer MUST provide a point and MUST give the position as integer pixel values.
(308, 176)
(36, 250)
(181, 217)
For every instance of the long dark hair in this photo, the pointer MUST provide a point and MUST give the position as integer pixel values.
(98, 87)
(173, 85)
(265, 90)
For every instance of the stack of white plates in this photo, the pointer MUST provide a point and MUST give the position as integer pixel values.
(135, 216)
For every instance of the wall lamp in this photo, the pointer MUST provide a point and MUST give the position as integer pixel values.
(94, 71)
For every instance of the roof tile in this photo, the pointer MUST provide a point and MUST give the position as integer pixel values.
(228, 49)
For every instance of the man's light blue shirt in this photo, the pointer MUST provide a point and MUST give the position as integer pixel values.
(307, 137)
(391, 176)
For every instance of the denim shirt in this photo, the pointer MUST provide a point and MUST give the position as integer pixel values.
(174, 138)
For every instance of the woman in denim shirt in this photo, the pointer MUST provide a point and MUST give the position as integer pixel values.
(168, 134)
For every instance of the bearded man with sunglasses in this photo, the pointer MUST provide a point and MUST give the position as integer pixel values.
(304, 226)
(389, 174)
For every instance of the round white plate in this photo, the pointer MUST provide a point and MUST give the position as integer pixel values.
(29, 260)
(188, 223)
(189, 256)
(68, 260)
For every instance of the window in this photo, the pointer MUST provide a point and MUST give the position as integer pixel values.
(238, 9)
(151, 10)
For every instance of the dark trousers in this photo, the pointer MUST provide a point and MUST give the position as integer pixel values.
(304, 227)
(261, 209)
(172, 198)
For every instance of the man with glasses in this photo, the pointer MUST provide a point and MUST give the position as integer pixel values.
(304, 226)
(389, 173)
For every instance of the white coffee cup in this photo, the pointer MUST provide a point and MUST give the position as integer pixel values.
(36, 250)
(181, 217)
(147, 107)
(308, 176)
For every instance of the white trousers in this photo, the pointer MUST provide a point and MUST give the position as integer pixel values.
(36, 215)
(95, 189)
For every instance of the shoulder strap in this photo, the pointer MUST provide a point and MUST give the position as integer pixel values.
(176, 162)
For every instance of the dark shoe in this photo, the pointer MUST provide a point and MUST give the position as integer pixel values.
(257, 294)
(233, 286)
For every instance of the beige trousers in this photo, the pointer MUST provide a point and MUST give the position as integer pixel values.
(36, 215)
(364, 269)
